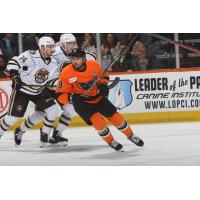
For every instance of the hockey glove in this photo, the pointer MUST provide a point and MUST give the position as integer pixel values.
(103, 90)
(11, 73)
(14, 75)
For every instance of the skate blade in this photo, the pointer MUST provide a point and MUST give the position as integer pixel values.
(63, 144)
(46, 145)
(17, 145)
(121, 150)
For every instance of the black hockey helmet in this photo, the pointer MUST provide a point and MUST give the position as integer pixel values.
(78, 53)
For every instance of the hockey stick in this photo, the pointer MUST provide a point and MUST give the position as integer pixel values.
(115, 59)
(114, 83)
(174, 42)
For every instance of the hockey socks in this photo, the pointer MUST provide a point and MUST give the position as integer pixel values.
(64, 122)
(100, 125)
(33, 119)
(121, 124)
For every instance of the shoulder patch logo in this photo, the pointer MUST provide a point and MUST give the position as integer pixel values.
(23, 58)
(72, 80)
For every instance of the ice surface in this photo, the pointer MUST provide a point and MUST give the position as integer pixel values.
(165, 144)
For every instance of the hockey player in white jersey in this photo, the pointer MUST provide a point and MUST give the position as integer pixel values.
(62, 56)
(31, 72)
(67, 45)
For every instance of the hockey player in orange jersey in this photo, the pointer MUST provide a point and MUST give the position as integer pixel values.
(74, 81)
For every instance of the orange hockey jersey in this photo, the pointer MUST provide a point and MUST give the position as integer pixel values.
(72, 81)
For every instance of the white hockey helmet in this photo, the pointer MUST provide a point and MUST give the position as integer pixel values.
(67, 37)
(44, 41)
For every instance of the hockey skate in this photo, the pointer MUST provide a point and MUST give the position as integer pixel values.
(18, 136)
(136, 140)
(46, 141)
(43, 136)
(56, 136)
(116, 146)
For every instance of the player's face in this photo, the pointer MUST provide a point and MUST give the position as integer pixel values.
(78, 63)
(69, 47)
(49, 50)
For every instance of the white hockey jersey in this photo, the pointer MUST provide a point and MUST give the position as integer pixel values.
(63, 59)
(35, 72)
(90, 56)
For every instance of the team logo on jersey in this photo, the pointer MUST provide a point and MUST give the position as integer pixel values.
(86, 86)
(121, 95)
(41, 75)
(19, 108)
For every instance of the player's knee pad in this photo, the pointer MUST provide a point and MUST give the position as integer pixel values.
(52, 112)
(68, 110)
(117, 119)
(98, 121)
(40, 114)
(37, 116)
